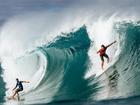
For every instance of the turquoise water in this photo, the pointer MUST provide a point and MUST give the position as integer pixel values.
(63, 81)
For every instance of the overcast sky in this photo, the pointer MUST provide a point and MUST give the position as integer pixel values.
(12, 7)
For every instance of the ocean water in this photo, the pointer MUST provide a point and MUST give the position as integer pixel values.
(63, 69)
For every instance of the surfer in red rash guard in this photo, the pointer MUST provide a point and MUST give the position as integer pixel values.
(102, 53)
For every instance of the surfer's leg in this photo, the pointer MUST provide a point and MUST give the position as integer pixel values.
(18, 90)
(18, 96)
(102, 64)
(105, 55)
(14, 94)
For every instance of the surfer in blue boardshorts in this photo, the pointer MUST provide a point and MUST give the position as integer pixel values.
(102, 53)
(18, 88)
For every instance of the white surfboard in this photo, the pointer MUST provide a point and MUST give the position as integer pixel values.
(15, 99)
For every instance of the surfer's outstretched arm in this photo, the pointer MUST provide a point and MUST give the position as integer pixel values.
(26, 81)
(15, 87)
(111, 44)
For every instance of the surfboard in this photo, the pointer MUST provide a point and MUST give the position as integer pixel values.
(105, 69)
(15, 99)
(10, 98)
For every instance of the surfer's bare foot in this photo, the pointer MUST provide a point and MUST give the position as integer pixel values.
(11, 97)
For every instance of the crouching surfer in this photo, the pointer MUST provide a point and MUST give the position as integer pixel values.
(18, 88)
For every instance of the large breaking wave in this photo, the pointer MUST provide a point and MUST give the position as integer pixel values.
(63, 68)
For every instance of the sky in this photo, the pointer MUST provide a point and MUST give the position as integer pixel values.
(10, 8)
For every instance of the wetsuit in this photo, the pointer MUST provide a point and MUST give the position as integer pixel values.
(19, 85)
(103, 54)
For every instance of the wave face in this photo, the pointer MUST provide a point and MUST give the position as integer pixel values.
(67, 63)
(121, 78)
(57, 70)
(69, 55)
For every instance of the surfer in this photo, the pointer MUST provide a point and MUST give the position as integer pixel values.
(18, 88)
(102, 53)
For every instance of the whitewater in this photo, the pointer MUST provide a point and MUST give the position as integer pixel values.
(60, 59)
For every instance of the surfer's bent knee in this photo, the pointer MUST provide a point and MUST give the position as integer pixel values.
(102, 59)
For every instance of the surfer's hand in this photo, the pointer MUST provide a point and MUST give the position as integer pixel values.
(27, 82)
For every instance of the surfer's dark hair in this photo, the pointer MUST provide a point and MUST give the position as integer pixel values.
(103, 46)
(17, 79)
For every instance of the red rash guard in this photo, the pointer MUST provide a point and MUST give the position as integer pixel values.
(102, 51)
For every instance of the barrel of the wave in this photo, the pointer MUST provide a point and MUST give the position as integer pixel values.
(67, 63)
(75, 46)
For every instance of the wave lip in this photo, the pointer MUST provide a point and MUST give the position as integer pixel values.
(67, 62)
